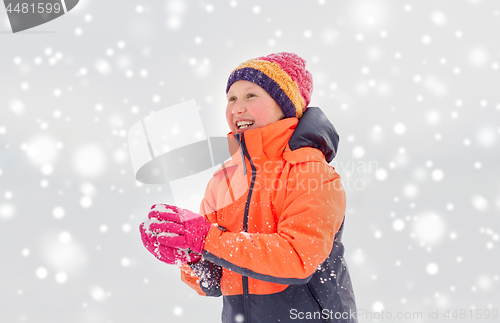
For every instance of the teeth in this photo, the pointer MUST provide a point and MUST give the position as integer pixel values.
(244, 124)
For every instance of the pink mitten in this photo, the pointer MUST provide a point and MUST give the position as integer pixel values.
(164, 253)
(184, 229)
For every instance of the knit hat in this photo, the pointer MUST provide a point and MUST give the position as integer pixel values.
(283, 76)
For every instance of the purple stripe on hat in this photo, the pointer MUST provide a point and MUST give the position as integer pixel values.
(255, 76)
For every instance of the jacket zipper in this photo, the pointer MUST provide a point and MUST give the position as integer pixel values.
(246, 295)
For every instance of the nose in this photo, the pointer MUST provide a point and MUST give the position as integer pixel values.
(238, 107)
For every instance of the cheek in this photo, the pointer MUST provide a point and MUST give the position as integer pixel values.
(229, 117)
(263, 115)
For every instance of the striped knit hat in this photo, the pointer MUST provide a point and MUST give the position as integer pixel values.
(283, 76)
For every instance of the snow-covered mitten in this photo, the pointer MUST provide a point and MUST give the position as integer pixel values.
(162, 252)
(183, 228)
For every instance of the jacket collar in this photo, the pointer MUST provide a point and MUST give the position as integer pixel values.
(314, 130)
(267, 142)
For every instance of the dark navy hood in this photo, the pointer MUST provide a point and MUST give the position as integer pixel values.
(316, 131)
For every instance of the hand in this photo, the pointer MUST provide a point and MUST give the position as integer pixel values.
(164, 253)
(183, 229)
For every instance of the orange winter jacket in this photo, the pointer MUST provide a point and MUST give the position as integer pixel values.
(276, 211)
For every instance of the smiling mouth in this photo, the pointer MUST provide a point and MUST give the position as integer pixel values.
(244, 124)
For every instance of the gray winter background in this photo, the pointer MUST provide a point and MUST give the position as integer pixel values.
(411, 86)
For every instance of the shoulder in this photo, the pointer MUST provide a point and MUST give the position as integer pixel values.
(304, 154)
(309, 165)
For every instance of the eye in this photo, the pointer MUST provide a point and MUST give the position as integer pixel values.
(250, 95)
(233, 98)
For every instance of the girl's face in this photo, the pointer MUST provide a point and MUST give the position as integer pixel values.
(250, 107)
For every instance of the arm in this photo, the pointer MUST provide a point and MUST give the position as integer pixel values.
(312, 214)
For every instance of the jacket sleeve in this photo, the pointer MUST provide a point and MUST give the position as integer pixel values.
(312, 213)
(203, 276)
(189, 277)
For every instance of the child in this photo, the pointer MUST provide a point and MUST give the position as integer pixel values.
(269, 235)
